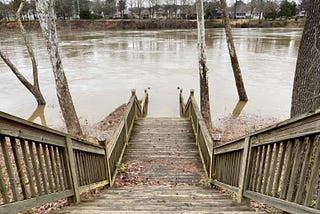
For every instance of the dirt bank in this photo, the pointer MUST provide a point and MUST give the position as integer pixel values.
(151, 24)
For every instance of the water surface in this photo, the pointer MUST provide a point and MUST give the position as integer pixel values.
(103, 66)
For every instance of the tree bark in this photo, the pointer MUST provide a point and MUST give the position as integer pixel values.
(233, 54)
(33, 88)
(203, 69)
(306, 86)
(45, 9)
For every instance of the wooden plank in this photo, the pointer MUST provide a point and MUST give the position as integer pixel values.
(67, 170)
(314, 175)
(251, 167)
(304, 170)
(17, 160)
(287, 170)
(267, 168)
(48, 167)
(226, 186)
(273, 169)
(41, 167)
(91, 186)
(79, 164)
(229, 147)
(279, 170)
(3, 188)
(256, 171)
(19, 206)
(28, 168)
(63, 169)
(58, 168)
(9, 168)
(295, 168)
(243, 173)
(35, 168)
(287, 206)
(87, 147)
(71, 161)
(53, 167)
(261, 169)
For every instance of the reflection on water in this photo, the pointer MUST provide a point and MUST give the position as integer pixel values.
(103, 66)
(238, 108)
(39, 113)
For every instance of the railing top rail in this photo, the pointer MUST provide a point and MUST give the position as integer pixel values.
(37, 127)
(274, 127)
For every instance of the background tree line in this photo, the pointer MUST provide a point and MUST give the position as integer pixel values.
(184, 9)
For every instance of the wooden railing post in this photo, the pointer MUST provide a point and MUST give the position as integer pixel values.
(181, 104)
(133, 94)
(107, 162)
(243, 171)
(74, 180)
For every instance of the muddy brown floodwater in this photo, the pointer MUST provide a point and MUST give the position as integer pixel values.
(103, 66)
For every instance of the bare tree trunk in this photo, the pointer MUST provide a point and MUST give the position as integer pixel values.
(45, 9)
(233, 55)
(306, 86)
(33, 88)
(203, 69)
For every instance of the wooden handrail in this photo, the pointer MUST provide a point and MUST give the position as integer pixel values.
(41, 165)
(203, 138)
(116, 147)
(278, 165)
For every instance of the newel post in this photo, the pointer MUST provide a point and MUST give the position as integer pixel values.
(243, 169)
(133, 94)
(74, 179)
(181, 104)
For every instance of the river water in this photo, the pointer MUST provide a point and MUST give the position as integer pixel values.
(103, 66)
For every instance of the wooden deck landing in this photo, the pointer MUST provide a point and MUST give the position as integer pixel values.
(170, 171)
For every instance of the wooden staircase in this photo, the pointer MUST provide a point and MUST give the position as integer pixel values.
(170, 174)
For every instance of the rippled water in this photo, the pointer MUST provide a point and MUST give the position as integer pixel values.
(102, 67)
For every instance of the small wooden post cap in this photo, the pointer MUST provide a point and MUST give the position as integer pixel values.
(181, 90)
(192, 92)
(133, 92)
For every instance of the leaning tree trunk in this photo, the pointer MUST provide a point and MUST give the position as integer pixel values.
(203, 69)
(45, 9)
(233, 54)
(33, 88)
(306, 86)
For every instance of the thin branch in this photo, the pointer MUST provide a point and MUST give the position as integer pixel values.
(15, 70)
(28, 45)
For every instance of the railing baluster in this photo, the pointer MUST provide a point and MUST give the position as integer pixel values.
(273, 169)
(287, 170)
(28, 167)
(63, 169)
(7, 161)
(257, 169)
(251, 170)
(3, 188)
(57, 168)
(294, 171)
(279, 170)
(49, 168)
(16, 156)
(261, 169)
(304, 169)
(53, 168)
(44, 180)
(35, 168)
(267, 168)
(314, 174)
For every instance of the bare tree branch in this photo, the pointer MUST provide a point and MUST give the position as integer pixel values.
(33, 88)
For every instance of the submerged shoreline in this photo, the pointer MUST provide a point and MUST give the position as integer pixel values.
(153, 24)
